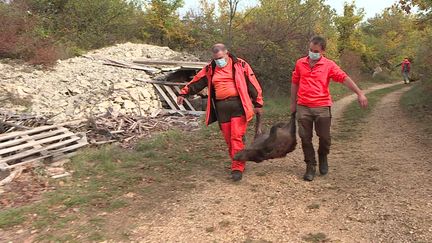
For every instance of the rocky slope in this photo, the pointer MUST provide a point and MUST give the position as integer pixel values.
(82, 86)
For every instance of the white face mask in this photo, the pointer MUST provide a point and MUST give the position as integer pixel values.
(221, 62)
(314, 56)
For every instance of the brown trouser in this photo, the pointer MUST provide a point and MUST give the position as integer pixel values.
(307, 117)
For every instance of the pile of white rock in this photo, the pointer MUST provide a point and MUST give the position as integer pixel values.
(82, 86)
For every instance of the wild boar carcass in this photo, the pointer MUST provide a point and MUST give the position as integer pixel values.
(277, 144)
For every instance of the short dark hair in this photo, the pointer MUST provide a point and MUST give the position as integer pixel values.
(319, 40)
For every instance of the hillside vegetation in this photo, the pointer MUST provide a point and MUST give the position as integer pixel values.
(274, 32)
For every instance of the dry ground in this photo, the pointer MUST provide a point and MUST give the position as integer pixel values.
(378, 190)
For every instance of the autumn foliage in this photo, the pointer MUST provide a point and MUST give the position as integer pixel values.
(19, 37)
(271, 36)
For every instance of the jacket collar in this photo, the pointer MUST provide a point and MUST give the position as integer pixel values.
(320, 61)
(233, 57)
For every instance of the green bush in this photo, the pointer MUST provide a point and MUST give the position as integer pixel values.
(22, 37)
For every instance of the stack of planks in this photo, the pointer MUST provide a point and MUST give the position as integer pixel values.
(116, 63)
(175, 64)
(129, 129)
(10, 122)
(169, 92)
(52, 141)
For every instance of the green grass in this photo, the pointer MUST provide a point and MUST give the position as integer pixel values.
(417, 104)
(278, 107)
(11, 217)
(354, 116)
(155, 170)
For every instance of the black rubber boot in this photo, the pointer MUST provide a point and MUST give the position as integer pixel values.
(310, 172)
(323, 164)
(236, 175)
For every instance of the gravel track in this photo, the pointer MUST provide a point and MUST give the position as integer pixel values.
(378, 190)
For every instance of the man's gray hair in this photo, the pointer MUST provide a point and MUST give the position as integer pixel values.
(218, 47)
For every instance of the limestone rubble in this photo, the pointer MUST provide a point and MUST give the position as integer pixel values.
(82, 86)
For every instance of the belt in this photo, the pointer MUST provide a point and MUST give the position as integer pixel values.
(233, 98)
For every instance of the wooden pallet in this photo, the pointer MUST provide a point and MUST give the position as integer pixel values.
(167, 91)
(20, 148)
(115, 63)
(10, 122)
(180, 64)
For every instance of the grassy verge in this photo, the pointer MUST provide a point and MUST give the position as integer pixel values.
(111, 186)
(354, 116)
(417, 103)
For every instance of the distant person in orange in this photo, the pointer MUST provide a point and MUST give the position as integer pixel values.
(406, 69)
(234, 96)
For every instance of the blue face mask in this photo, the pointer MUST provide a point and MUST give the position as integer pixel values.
(314, 56)
(221, 62)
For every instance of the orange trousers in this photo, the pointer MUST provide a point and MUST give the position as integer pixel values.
(233, 132)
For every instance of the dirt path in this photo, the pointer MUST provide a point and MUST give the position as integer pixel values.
(378, 189)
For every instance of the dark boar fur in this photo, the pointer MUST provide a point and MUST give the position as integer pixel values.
(277, 144)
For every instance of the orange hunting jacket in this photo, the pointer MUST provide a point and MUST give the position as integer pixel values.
(248, 87)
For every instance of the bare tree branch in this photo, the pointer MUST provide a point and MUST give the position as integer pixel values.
(233, 4)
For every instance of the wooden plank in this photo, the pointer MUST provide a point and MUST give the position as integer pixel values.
(174, 97)
(62, 143)
(195, 113)
(3, 166)
(18, 134)
(133, 66)
(160, 82)
(170, 69)
(13, 125)
(191, 67)
(34, 137)
(36, 150)
(162, 92)
(35, 142)
(169, 63)
(56, 153)
(185, 100)
(37, 130)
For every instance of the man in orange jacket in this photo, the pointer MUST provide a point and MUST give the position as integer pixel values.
(310, 98)
(234, 96)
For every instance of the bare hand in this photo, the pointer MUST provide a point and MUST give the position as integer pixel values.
(293, 107)
(258, 111)
(180, 100)
(363, 101)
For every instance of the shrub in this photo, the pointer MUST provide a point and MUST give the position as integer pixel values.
(14, 25)
(21, 36)
(44, 55)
